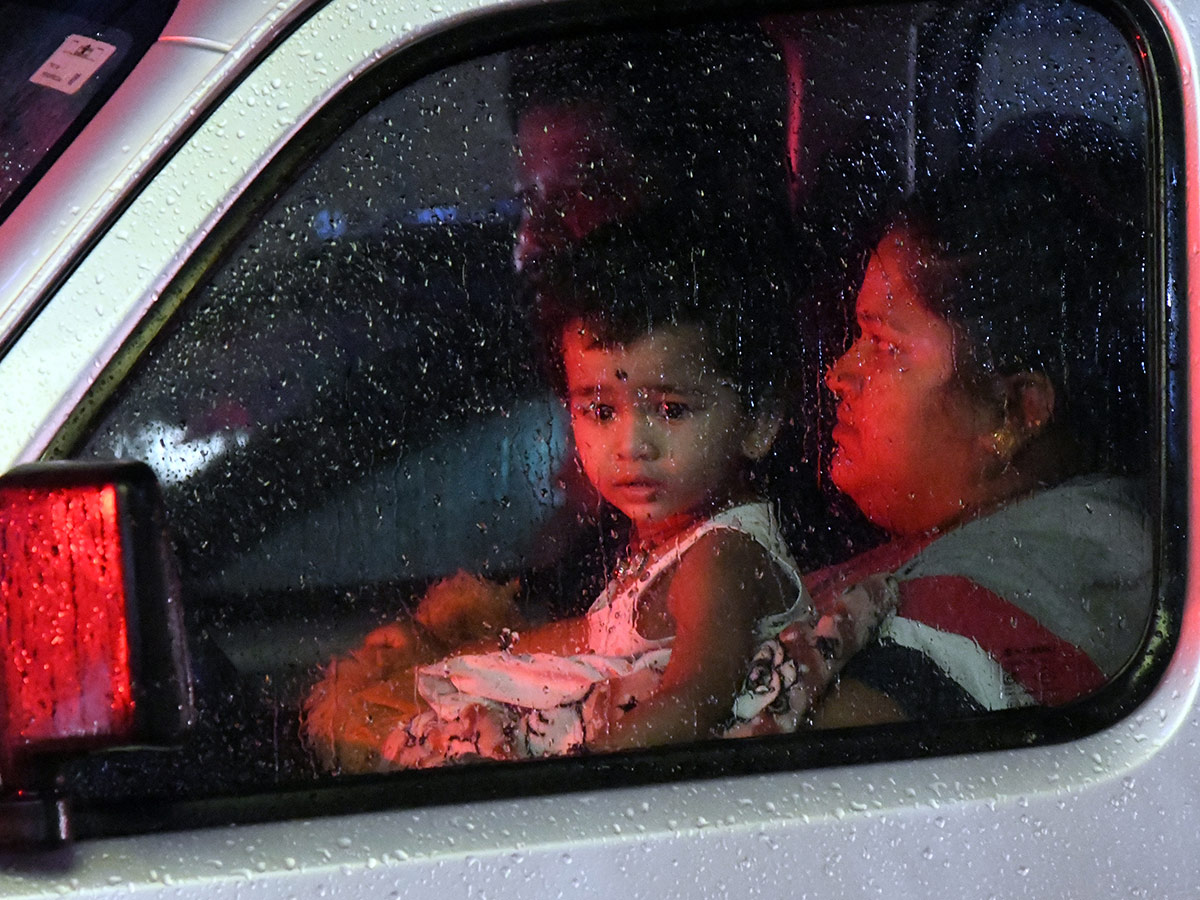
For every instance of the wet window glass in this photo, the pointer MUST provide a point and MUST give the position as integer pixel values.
(61, 62)
(729, 381)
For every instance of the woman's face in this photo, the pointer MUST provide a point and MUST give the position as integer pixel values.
(912, 446)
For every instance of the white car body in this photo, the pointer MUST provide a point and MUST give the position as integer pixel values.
(1112, 814)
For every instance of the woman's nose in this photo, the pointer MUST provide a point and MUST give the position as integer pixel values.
(844, 375)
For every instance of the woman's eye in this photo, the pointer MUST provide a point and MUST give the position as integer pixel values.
(878, 342)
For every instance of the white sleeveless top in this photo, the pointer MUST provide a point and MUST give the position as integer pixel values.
(612, 629)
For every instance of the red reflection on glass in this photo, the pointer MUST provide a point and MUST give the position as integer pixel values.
(576, 175)
(65, 671)
(782, 29)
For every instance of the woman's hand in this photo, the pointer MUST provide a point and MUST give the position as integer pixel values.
(466, 608)
(851, 703)
(363, 696)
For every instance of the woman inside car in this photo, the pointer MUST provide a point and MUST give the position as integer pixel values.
(989, 410)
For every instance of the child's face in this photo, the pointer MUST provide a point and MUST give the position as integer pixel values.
(660, 433)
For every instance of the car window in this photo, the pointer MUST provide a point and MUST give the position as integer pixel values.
(61, 62)
(693, 338)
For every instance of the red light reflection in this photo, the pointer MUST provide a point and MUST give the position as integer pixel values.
(65, 670)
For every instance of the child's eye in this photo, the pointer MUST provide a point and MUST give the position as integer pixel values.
(673, 409)
(582, 408)
(601, 412)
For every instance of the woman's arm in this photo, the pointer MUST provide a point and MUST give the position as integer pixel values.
(718, 593)
(851, 702)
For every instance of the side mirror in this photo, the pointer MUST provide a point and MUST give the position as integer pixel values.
(92, 648)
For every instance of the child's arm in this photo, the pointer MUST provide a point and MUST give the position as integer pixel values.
(469, 614)
(722, 587)
(562, 636)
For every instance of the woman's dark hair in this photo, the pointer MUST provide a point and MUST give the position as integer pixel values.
(1042, 274)
(631, 277)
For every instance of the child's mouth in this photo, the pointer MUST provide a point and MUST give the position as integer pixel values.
(639, 489)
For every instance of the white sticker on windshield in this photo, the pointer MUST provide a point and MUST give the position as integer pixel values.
(72, 64)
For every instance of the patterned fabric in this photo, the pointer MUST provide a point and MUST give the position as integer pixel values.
(791, 671)
(503, 705)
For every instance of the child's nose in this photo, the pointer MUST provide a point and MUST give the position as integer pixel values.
(638, 438)
(845, 375)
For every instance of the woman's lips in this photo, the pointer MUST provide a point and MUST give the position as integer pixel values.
(845, 441)
(841, 432)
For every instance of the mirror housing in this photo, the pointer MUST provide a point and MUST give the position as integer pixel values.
(92, 646)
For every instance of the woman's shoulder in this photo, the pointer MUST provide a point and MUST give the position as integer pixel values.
(1095, 521)
(1092, 527)
(1073, 561)
(1097, 503)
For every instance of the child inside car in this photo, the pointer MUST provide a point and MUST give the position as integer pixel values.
(669, 355)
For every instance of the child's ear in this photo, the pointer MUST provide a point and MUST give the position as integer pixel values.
(764, 426)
